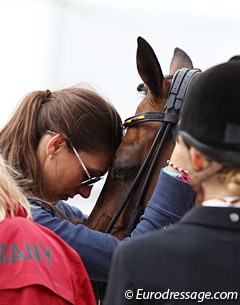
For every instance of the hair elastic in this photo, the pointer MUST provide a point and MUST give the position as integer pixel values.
(46, 96)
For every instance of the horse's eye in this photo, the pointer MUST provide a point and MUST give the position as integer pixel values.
(124, 173)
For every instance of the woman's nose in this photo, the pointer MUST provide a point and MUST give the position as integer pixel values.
(85, 190)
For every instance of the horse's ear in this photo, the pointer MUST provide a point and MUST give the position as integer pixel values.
(149, 68)
(180, 60)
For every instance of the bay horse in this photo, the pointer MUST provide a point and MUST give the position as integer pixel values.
(136, 143)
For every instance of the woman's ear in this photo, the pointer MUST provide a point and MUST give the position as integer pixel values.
(54, 144)
(198, 160)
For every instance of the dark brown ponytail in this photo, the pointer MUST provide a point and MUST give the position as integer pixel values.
(81, 115)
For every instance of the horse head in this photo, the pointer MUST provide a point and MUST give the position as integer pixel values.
(136, 143)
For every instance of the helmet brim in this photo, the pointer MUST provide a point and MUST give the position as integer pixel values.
(226, 157)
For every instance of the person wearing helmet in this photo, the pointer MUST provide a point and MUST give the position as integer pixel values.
(197, 259)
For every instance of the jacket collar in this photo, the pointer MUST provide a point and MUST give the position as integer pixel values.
(36, 202)
(224, 217)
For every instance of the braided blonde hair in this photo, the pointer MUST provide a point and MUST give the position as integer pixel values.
(10, 194)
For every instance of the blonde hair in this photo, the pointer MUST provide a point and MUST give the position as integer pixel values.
(11, 197)
(233, 181)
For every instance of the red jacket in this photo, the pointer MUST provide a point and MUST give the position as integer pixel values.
(37, 267)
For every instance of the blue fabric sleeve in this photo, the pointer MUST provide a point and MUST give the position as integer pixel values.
(170, 200)
(68, 209)
(95, 248)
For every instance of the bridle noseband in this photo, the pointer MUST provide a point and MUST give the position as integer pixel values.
(180, 82)
(150, 117)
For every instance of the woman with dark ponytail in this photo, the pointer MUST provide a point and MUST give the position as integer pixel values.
(64, 141)
(74, 116)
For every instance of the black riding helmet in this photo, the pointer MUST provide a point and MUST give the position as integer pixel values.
(210, 118)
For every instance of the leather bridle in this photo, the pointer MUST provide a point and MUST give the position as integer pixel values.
(180, 82)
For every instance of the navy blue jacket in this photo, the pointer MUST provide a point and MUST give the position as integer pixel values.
(195, 261)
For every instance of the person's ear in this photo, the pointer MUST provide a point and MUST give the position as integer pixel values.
(54, 144)
(198, 160)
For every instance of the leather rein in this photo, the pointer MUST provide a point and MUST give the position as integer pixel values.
(180, 82)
